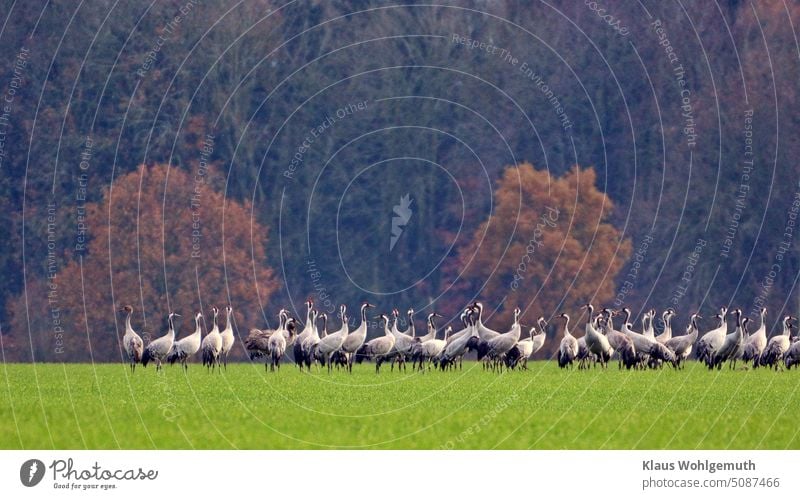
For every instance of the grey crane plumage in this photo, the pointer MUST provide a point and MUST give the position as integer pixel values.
(529, 346)
(622, 345)
(431, 349)
(228, 339)
(131, 342)
(305, 340)
(211, 345)
(647, 345)
(731, 343)
(666, 334)
(484, 333)
(682, 345)
(158, 349)
(184, 348)
(792, 356)
(404, 341)
(754, 345)
(501, 344)
(279, 342)
(778, 345)
(710, 342)
(456, 348)
(568, 348)
(379, 348)
(418, 357)
(356, 338)
(332, 342)
(596, 342)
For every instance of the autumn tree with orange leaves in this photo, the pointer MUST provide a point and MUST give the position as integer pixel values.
(161, 240)
(547, 248)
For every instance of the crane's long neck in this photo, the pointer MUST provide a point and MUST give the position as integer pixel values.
(171, 328)
(787, 331)
(228, 324)
(566, 326)
(128, 327)
(609, 322)
(695, 329)
(386, 329)
(197, 326)
(411, 328)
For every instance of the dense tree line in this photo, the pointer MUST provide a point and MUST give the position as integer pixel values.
(320, 116)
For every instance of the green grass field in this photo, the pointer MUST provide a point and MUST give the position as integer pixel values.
(76, 406)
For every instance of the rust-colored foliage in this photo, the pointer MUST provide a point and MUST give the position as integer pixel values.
(548, 247)
(161, 240)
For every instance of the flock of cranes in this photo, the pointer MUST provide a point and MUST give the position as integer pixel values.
(600, 343)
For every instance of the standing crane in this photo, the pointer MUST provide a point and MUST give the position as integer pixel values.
(456, 348)
(131, 342)
(568, 349)
(332, 342)
(754, 345)
(500, 345)
(731, 343)
(158, 349)
(308, 330)
(682, 345)
(212, 344)
(778, 345)
(378, 348)
(355, 339)
(186, 347)
(710, 342)
(597, 342)
(279, 341)
(228, 339)
(622, 345)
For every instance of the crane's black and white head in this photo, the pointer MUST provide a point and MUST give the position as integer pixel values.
(565, 317)
(366, 305)
(198, 316)
(127, 309)
(410, 313)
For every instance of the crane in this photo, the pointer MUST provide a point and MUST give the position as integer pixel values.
(131, 342)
